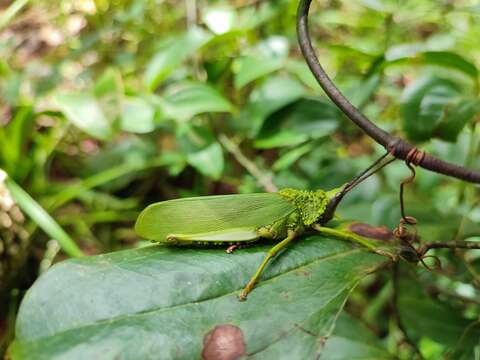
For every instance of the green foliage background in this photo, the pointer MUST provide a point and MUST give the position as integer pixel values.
(108, 106)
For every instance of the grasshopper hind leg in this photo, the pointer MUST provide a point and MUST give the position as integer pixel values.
(271, 254)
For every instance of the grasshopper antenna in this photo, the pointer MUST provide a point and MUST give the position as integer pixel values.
(365, 174)
(377, 165)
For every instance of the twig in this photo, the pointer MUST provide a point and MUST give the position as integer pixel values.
(472, 245)
(264, 180)
(395, 145)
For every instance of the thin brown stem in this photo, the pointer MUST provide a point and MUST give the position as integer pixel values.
(471, 245)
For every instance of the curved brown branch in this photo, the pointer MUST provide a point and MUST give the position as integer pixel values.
(397, 146)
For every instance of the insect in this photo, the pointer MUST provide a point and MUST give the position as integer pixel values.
(240, 219)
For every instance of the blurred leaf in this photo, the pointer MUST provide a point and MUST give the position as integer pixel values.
(138, 115)
(281, 138)
(250, 17)
(455, 119)
(402, 52)
(110, 83)
(302, 72)
(144, 302)
(424, 105)
(424, 317)
(269, 55)
(364, 90)
(378, 5)
(250, 68)
(84, 111)
(208, 161)
(11, 88)
(172, 54)
(14, 140)
(351, 339)
(449, 59)
(121, 173)
(187, 100)
(43, 219)
(219, 19)
(131, 151)
(416, 54)
(289, 158)
(474, 9)
(306, 119)
(272, 95)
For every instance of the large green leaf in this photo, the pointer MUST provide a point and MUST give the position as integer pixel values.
(163, 302)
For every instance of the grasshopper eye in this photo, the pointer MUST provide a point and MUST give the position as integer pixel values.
(171, 238)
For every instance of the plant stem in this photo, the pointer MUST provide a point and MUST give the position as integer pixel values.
(264, 180)
(471, 245)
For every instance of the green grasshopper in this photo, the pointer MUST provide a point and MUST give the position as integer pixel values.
(238, 220)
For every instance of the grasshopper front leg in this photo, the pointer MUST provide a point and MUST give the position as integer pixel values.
(271, 254)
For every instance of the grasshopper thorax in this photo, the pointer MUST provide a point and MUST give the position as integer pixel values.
(310, 205)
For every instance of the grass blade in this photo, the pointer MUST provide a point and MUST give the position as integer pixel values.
(43, 219)
(11, 11)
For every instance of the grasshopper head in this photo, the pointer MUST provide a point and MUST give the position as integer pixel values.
(310, 205)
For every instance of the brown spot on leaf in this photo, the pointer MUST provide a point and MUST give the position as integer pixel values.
(373, 232)
(305, 273)
(224, 342)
